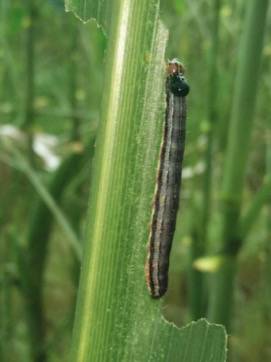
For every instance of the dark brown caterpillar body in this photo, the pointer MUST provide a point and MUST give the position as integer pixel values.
(166, 198)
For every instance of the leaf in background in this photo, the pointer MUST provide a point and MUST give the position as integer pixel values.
(21, 163)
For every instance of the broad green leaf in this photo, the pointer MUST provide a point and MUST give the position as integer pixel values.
(197, 342)
(116, 320)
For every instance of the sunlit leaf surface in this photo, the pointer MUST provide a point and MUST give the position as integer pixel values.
(116, 319)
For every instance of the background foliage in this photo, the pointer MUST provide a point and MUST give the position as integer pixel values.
(52, 74)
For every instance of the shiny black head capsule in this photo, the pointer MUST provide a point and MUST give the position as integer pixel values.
(176, 81)
(178, 85)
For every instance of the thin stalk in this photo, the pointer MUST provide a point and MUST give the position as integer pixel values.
(76, 213)
(9, 73)
(212, 120)
(6, 304)
(266, 280)
(240, 129)
(260, 199)
(73, 86)
(20, 163)
(200, 232)
(33, 260)
(76, 216)
(30, 75)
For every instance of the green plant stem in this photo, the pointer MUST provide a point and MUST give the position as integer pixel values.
(199, 233)
(261, 198)
(212, 118)
(73, 85)
(196, 281)
(34, 257)
(111, 292)
(6, 306)
(236, 157)
(30, 76)
(265, 287)
(21, 164)
(33, 261)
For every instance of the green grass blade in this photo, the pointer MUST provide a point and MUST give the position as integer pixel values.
(260, 199)
(240, 128)
(21, 163)
(116, 320)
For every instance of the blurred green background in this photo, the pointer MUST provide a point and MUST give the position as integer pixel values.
(51, 72)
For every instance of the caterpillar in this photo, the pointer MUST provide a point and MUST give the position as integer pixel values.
(168, 182)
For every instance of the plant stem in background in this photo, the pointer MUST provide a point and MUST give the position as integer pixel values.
(33, 261)
(236, 158)
(30, 75)
(260, 199)
(73, 84)
(266, 280)
(200, 232)
(6, 306)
